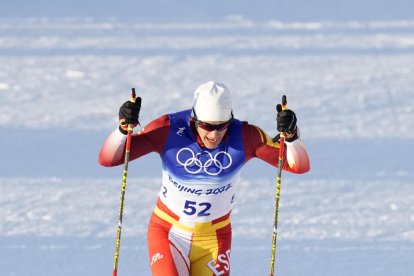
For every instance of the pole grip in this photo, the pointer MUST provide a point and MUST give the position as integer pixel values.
(133, 99)
(133, 95)
(280, 107)
(284, 102)
(282, 135)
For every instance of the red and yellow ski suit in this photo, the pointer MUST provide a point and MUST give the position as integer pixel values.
(189, 232)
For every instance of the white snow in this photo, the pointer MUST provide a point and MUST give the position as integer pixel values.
(74, 74)
(4, 86)
(360, 88)
(316, 217)
(350, 84)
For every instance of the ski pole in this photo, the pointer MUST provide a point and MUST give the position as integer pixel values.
(123, 188)
(278, 184)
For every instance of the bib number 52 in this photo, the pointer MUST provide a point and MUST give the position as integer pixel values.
(192, 208)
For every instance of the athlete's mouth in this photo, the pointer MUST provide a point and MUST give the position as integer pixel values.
(211, 140)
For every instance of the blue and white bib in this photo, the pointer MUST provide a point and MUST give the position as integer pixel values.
(198, 183)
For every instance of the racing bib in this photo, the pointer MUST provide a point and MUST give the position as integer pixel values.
(199, 183)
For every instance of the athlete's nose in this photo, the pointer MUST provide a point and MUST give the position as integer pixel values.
(214, 134)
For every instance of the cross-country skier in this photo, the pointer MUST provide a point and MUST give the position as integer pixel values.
(202, 151)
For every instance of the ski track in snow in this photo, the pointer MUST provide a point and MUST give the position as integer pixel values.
(345, 80)
(347, 95)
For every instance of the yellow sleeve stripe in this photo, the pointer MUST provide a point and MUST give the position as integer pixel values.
(261, 134)
(266, 139)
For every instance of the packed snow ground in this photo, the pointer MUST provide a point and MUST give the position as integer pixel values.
(353, 79)
(53, 226)
(350, 83)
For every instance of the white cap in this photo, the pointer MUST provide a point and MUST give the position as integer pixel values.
(212, 102)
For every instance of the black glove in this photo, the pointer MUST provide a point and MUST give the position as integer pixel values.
(129, 114)
(286, 123)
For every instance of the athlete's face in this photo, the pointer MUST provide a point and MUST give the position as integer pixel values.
(212, 132)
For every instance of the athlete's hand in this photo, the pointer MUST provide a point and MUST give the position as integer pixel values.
(286, 123)
(129, 114)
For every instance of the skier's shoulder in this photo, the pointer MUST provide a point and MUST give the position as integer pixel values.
(252, 133)
(152, 137)
(162, 122)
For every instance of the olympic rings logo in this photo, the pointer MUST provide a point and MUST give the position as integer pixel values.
(194, 163)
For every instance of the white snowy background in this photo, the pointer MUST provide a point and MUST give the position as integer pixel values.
(346, 67)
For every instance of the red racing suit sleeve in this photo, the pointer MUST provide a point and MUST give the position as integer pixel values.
(151, 138)
(258, 144)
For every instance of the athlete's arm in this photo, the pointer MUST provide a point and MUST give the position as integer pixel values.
(258, 144)
(151, 138)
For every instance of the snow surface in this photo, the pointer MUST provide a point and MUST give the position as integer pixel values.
(350, 83)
